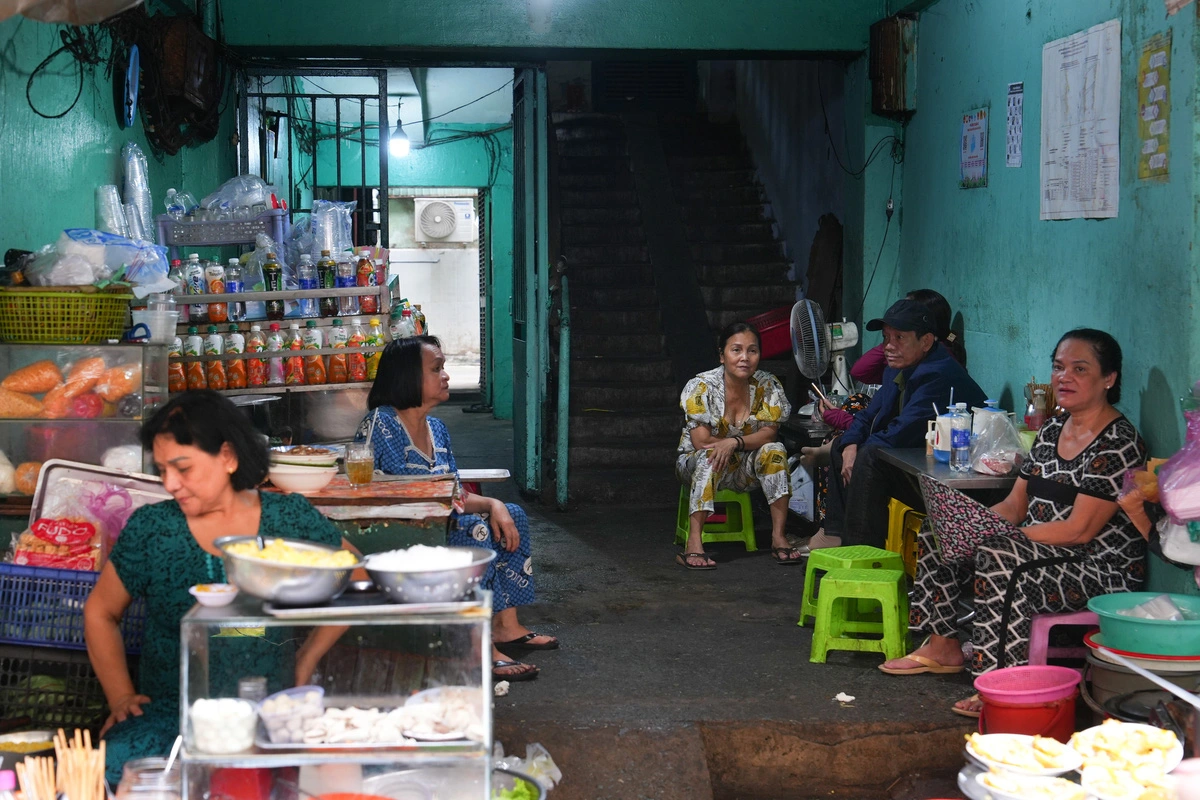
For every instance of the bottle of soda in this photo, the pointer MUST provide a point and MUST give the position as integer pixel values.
(256, 368)
(346, 279)
(234, 285)
(337, 361)
(293, 366)
(214, 278)
(235, 372)
(194, 346)
(327, 277)
(374, 339)
(214, 345)
(356, 362)
(419, 324)
(314, 366)
(176, 378)
(275, 371)
(365, 276)
(175, 275)
(193, 275)
(306, 277)
(273, 278)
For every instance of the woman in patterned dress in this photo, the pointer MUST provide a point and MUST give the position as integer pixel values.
(211, 461)
(410, 383)
(733, 416)
(1072, 542)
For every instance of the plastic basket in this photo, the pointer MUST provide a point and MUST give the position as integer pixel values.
(774, 331)
(44, 607)
(1158, 637)
(54, 688)
(1030, 685)
(178, 233)
(39, 316)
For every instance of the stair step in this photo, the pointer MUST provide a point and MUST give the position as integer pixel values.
(624, 487)
(764, 295)
(726, 274)
(680, 164)
(647, 369)
(596, 427)
(601, 319)
(726, 214)
(736, 253)
(602, 234)
(718, 318)
(587, 165)
(592, 148)
(612, 276)
(601, 216)
(606, 254)
(731, 232)
(621, 296)
(708, 196)
(717, 179)
(626, 345)
(605, 181)
(620, 394)
(622, 454)
(589, 130)
(586, 198)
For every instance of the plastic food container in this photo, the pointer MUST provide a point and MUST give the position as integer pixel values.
(285, 713)
(1158, 637)
(223, 725)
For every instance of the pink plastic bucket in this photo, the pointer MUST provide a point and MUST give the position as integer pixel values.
(1031, 685)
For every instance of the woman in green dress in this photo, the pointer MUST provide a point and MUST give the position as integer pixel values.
(211, 461)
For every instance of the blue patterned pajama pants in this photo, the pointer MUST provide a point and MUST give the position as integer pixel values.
(510, 576)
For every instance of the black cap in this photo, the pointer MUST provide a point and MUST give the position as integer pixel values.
(906, 315)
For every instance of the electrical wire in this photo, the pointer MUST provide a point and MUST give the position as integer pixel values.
(85, 45)
(887, 226)
(875, 151)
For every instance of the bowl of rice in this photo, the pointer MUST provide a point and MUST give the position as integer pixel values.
(422, 574)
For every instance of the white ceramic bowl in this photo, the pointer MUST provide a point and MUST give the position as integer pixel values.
(286, 455)
(301, 479)
(213, 594)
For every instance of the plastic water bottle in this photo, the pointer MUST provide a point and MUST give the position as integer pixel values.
(346, 278)
(235, 285)
(193, 274)
(174, 203)
(960, 439)
(275, 375)
(306, 277)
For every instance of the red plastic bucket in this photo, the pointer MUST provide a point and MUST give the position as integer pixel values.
(1033, 700)
(1055, 719)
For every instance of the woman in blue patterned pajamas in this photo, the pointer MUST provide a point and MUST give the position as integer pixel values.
(1063, 538)
(410, 383)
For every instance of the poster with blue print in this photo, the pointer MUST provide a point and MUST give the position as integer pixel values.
(973, 163)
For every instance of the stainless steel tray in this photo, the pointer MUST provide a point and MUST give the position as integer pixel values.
(147, 488)
(373, 604)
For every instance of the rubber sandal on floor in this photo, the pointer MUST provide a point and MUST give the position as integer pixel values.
(778, 553)
(927, 665)
(524, 643)
(682, 560)
(528, 675)
(963, 712)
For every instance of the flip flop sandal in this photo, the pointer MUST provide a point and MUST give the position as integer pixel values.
(525, 643)
(927, 665)
(527, 675)
(783, 556)
(682, 560)
(966, 712)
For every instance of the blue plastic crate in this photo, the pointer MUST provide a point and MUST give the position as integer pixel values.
(44, 607)
(53, 688)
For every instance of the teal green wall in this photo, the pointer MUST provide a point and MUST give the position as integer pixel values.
(49, 169)
(1020, 282)
(795, 25)
(464, 164)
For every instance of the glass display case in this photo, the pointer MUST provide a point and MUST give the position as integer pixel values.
(78, 402)
(399, 703)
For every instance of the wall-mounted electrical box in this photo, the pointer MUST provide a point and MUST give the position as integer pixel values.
(893, 66)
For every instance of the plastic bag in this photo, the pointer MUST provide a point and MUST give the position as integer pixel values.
(801, 500)
(66, 542)
(1160, 607)
(997, 449)
(300, 241)
(1179, 478)
(240, 197)
(1177, 542)
(330, 224)
(537, 764)
(83, 256)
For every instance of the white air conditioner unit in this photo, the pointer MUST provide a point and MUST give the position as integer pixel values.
(441, 220)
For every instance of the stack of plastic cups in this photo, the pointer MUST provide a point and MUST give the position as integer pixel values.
(110, 214)
(133, 219)
(137, 191)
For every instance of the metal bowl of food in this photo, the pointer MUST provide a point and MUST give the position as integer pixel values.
(15, 746)
(438, 585)
(289, 572)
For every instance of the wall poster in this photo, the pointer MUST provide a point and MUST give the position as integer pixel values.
(973, 160)
(1016, 112)
(1081, 119)
(1154, 107)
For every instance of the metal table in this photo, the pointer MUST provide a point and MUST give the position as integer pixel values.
(914, 462)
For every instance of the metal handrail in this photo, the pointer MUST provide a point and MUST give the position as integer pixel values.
(564, 389)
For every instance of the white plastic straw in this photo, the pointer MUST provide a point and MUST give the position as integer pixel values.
(371, 427)
(951, 404)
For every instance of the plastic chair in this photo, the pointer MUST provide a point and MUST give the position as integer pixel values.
(903, 526)
(1039, 636)
(858, 556)
(735, 525)
(842, 589)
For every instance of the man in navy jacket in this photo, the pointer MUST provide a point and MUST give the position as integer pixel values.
(919, 375)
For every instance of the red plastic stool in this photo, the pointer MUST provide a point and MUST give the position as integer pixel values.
(1039, 636)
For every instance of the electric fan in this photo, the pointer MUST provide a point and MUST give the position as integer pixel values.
(815, 343)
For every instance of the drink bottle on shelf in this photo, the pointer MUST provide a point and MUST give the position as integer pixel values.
(234, 285)
(193, 276)
(273, 278)
(314, 366)
(306, 277)
(356, 362)
(235, 370)
(214, 345)
(275, 344)
(293, 366)
(256, 368)
(214, 280)
(337, 361)
(347, 306)
(176, 378)
(327, 278)
(365, 276)
(374, 339)
(194, 346)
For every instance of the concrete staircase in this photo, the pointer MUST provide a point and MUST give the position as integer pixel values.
(624, 413)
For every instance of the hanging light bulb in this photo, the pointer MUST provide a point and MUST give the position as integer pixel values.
(398, 144)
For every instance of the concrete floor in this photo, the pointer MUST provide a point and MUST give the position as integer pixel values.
(677, 684)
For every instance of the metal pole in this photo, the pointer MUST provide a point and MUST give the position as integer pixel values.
(564, 393)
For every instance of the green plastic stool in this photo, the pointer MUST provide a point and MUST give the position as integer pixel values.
(737, 527)
(858, 556)
(843, 588)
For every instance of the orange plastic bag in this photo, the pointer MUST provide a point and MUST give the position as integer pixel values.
(38, 377)
(15, 405)
(84, 375)
(119, 381)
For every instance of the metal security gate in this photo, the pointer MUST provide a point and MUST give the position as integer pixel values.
(320, 134)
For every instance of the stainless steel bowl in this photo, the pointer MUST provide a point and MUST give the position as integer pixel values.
(10, 758)
(285, 584)
(433, 585)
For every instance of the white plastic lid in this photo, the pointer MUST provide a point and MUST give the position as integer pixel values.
(960, 406)
(233, 262)
(193, 256)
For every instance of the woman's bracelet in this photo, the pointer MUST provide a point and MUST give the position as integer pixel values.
(740, 441)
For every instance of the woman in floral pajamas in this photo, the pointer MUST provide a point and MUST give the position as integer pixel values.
(733, 415)
(1056, 541)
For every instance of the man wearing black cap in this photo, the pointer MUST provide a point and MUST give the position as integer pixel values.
(919, 375)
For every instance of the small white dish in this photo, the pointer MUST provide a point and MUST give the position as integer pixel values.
(1074, 759)
(213, 595)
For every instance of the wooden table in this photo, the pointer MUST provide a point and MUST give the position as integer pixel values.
(914, 462)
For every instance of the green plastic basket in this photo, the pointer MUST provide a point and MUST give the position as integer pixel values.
(1157, 637)
(46, 316)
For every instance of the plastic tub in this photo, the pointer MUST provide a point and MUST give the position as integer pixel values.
(1158, 637)
(774, 331)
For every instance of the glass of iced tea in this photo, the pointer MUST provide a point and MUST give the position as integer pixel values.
(360, 463)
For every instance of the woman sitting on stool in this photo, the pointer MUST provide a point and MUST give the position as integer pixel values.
(728, 442)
